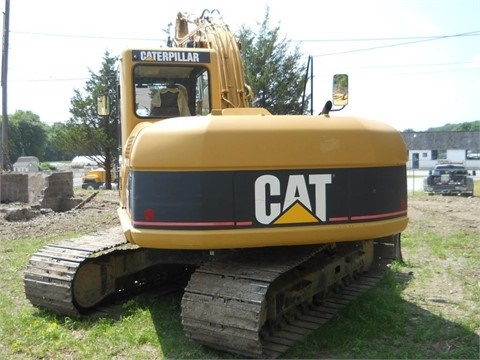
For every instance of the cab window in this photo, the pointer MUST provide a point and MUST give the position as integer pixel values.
(171, 91)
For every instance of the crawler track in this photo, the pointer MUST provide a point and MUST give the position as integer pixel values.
(313, 317)
(253, 302)
(258, 306)
(51, 271)
(74, 276)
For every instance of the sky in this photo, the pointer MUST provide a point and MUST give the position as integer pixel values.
(413, 64)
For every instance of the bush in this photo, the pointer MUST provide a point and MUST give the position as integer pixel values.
(47, 166)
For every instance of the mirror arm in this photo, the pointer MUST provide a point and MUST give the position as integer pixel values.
(339, 108)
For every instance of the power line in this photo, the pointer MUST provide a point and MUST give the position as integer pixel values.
(417, 38)
(376, 67)
(412, 40)
(473, 33)
(440, 67)
(416, 65)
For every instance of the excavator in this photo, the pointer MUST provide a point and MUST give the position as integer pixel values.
(272, 221)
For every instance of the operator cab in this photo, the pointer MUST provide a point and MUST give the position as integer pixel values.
(163, 91)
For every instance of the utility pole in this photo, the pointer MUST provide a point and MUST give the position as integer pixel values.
(4, 160)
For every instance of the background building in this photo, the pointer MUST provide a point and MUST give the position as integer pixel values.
(26, 164)
(426, 149)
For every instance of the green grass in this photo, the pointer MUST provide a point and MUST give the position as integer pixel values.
(383, 325)
(404, 316)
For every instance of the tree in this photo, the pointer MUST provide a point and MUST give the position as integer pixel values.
(54, 145)
(27, 135)
(272, 70)
(88, 134)
(465, 126)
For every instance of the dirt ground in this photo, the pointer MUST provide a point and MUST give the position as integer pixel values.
(456, 214)
(97, 214)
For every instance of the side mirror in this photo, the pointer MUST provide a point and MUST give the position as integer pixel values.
(103, 105)
(340, 90)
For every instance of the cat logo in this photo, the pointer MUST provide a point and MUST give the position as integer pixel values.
(295, 206)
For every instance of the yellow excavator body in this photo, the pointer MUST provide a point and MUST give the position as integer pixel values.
(268, 217)
(202, 153)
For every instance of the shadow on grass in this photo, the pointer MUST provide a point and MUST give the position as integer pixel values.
(382, 325)
(165, 312)
(378, 324)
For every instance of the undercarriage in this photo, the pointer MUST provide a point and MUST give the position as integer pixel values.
(253, 302)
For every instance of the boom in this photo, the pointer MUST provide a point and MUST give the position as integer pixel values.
(211, 33)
